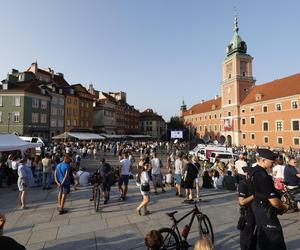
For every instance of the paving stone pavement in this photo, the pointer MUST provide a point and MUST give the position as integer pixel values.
(116, 225)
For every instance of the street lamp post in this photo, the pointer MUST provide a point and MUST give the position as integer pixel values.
(8, 122)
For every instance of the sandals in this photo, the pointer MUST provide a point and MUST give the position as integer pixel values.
(138, 211)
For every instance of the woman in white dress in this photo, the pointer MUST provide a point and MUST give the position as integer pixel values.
(144, 188)
(23, 182)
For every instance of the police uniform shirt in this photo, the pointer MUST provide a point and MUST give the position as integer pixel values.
(244, 190)
(263, 183)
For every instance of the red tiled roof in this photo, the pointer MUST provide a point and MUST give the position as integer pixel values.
(60, 81)
(287, 86)
(210, 105)
(31, 86)
(44, 72)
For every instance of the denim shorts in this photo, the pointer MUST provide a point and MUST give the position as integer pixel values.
(124, 179)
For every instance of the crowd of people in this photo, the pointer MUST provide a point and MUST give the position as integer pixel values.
(60, 164)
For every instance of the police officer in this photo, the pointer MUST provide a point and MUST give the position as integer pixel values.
(266, 204)
(246, 223)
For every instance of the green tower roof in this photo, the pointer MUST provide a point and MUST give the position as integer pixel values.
(236, 44)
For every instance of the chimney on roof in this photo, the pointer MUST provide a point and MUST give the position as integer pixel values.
(216, 97)
(34, 68)
(60, 74)
(202, 101)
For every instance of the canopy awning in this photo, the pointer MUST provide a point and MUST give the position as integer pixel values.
(140, 136)
(11, 142)
(79, 136)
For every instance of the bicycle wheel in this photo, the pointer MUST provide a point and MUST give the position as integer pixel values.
(96, 199)
(205, 227)
(170, 239)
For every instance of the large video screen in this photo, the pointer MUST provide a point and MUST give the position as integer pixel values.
(176, 134)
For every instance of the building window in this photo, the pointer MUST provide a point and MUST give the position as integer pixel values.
(17, 101)
(16, 116)
(243, 110)
(279, 125)
(265, 108)
(229, 101)
(243, 121)
(252, 136)
(266, 139)
(209, 116)
(216, 128)
(68, 123)
(278, 107)
(215, 116)
(75, 101)
(0, 116)
(35, 118)
(296, 141)
(265, 126)
(220, 115)
(35, 102)
(229, 114)
(279, 140)
(252, 120)
(244, 136)
(53, 123)
(61, 101)
(251, 109)
(82, 104)
(54, 100)
(87, 105)
(87, 124)
(1, 101)
(294, 104)
(43, 104)
(74, 122)
(295, 125)
(69, 101)
(43, 118)
(200, 128)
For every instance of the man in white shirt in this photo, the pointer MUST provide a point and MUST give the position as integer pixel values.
(156, 174)
(239, 164)
(178, 175)
(125, 169)
(83, 176)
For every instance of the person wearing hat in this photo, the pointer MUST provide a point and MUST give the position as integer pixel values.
(267, 204)
(246, 223)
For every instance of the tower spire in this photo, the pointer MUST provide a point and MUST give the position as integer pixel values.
(236, 27)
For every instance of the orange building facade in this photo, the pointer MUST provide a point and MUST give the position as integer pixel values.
(245, 113)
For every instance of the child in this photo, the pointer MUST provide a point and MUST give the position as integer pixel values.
(169, 179)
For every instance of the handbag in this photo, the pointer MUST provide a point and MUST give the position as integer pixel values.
(145, 187)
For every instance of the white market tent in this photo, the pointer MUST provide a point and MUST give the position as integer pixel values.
(11, 142)
(79, 136)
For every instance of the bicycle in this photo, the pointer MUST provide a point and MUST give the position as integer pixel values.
(173, 239)
(97, 197)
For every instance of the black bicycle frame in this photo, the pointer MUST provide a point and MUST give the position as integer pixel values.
(195, 212)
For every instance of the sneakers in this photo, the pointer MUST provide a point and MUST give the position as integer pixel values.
(105, 202)
(163, 191)
(121, 198)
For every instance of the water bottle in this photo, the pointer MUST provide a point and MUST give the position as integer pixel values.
(185, 231)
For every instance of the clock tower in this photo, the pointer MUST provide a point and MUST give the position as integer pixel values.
(236, 83)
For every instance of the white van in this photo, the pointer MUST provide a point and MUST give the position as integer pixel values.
(223, 156)
(34, 140)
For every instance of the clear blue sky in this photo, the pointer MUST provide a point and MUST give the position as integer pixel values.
(158, 51)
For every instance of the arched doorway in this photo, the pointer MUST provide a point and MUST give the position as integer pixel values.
(229, 140)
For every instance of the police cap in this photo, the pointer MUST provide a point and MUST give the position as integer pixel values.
(267, 154)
